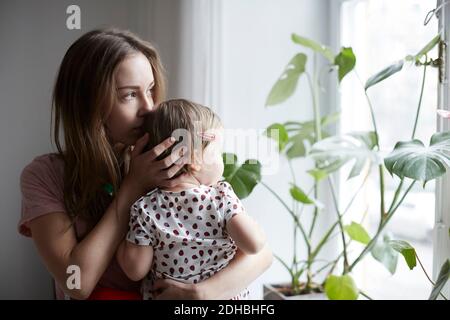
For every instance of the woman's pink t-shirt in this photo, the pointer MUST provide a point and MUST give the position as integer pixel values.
(41, 183)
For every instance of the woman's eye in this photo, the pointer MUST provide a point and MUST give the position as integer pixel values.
(130, 95)
(150, 91)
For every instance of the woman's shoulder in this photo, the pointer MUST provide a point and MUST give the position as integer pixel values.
(48, 159)
(43, 165)
(44, 171)
(41, 184)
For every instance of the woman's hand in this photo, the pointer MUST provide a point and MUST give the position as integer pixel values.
(225, 284)
(167, 289)
(147, 173)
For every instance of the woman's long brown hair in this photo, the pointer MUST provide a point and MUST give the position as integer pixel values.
(83, 96)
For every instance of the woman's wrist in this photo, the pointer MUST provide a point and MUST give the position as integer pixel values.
(202, 291)
(129, 191)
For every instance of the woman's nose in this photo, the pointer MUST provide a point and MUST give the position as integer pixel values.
(146, 106)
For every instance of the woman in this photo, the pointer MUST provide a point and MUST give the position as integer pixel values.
(75, 204)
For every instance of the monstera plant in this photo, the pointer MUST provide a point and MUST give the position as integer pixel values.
(411, 161)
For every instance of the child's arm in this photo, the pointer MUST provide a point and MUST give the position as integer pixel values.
(246, 233)
(134, 260)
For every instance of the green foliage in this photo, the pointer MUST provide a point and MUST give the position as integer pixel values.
(357, 233)
(341, 288)
(411, 159)
(329, 153)
(243, 178)
(287, 83)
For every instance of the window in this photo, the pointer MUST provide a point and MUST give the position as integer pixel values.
(380, 33)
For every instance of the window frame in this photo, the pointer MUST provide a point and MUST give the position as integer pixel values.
(441, 234)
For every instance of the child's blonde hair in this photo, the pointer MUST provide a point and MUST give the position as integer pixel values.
(171, 115)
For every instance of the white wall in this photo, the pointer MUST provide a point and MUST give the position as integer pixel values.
(254, 37)
(33, 39)
(255, 49)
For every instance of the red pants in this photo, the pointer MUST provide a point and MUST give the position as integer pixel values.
(101, 293)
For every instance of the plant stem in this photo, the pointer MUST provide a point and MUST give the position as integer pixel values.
(380, 228)
(341, 227)
(316, 212)
(416, 120)
(318, 137)
(314, 86)
(316, 110)
(377, 142)
(285, 265)
(382, 206)
(365, 295)
(294, 207)
(356, 193)
(424, 271)
(296, 220)
(329, 232)
(328, 264)
(397, 193)
(399, 203)
(380, 167)
(324, 240)
(426, 274)
(422, 89)
(372, 116)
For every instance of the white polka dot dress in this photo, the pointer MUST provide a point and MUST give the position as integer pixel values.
(187, 232)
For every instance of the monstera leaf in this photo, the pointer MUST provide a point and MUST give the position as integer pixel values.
(278, 132)
(397, 66)
(413, 160)
(357, 232)
(384, 74)
(407, 251)
(383, 252)
(427, 48)
(299, 195)
(316, 47)
(286, 84)
(294, 137)
(341, 288)
(345, 61)
(332, 153)
(243, 178)
(291, 137)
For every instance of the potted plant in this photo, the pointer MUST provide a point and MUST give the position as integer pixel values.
(410, 160)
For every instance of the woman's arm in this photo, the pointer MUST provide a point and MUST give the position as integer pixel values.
(227, 283)
(246, 233)
(55, 239)
(134, 260)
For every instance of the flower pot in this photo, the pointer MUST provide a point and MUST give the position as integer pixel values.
(275, 292)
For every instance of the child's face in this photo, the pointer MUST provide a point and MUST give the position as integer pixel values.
(211, 164)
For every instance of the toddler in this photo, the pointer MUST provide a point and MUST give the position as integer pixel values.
(191, 231)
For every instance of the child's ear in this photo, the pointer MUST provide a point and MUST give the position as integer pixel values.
(197, 161)
(195, 167)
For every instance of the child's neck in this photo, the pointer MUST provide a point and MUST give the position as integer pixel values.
(189, 182)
